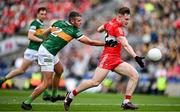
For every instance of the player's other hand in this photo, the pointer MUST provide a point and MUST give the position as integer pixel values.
(111, 41)
(139, 61)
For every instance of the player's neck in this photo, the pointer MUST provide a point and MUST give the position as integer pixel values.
(41, 21)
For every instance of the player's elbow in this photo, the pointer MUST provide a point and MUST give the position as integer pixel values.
(29, 37)
(125, 46)
(99, 30)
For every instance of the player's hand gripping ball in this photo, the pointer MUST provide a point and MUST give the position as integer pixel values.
(111, 41)
(154, 54)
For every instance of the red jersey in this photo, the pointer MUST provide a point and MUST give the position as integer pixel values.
(111, 56)
(114, 28)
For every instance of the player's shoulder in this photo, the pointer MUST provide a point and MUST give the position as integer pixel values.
(33, 21)
(111, 23)
(36, 22)
(60, 23)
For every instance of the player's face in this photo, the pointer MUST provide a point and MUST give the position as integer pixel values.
(42, 15)
(77, 21)
(124, 19)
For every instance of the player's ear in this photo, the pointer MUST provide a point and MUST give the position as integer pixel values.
(72, 21)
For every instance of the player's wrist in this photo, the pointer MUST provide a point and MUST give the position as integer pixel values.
(134, 56)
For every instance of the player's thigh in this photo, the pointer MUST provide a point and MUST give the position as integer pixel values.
(58, 68)
(126, 69)
(25, 64)
(100, 74)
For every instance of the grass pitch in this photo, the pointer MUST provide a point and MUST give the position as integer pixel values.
(10, 100)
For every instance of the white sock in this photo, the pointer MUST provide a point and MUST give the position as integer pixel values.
(71, 95)
(125, 101)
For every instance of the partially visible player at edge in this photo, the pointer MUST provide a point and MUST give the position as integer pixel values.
(61, 33)
(111, 60)
(35, 35)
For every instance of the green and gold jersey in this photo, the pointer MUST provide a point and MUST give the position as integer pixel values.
(62, 32)
(37, 27)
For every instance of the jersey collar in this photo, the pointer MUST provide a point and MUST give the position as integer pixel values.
(39, 21)
(68, 23)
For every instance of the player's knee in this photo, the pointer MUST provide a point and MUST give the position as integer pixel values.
(96, 83)
(59, 72)
(136, 77)
(21, 71)
(49, 83)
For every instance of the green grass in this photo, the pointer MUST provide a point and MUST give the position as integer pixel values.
(10, 100)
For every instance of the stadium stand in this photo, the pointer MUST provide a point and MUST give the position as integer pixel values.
(153, 24)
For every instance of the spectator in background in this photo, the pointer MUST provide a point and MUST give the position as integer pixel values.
(3, 65)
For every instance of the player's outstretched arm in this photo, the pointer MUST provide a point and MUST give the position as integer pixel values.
(130, 50)
(126, 46)
(86, 40)
(32, 37)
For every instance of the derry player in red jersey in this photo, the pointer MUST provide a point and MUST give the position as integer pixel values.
(111, 60)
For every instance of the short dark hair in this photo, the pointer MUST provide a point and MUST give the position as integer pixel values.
(124, 10)
(73, 14)
(41, 9)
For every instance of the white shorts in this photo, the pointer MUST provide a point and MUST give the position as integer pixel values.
(46, 60)
(30, 54)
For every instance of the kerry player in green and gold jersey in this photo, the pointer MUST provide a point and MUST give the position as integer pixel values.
(61, 33)
(35, 35)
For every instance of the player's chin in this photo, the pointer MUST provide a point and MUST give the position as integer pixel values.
(126, 23)
(78, 26)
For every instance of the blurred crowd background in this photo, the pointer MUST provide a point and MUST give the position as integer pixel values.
(154, 23)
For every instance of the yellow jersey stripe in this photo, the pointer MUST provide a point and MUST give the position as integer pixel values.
(39, 31)
(65, 36)
(61, 34)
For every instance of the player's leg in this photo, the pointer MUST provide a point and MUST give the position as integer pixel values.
(46, 61)
(55, 82)
(47, 79)
(98, 77)
(128, 70)
(25, 64)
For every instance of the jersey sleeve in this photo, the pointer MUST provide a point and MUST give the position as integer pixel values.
(33, 27)
(78, 34)
(119, 32)
(55, 24)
